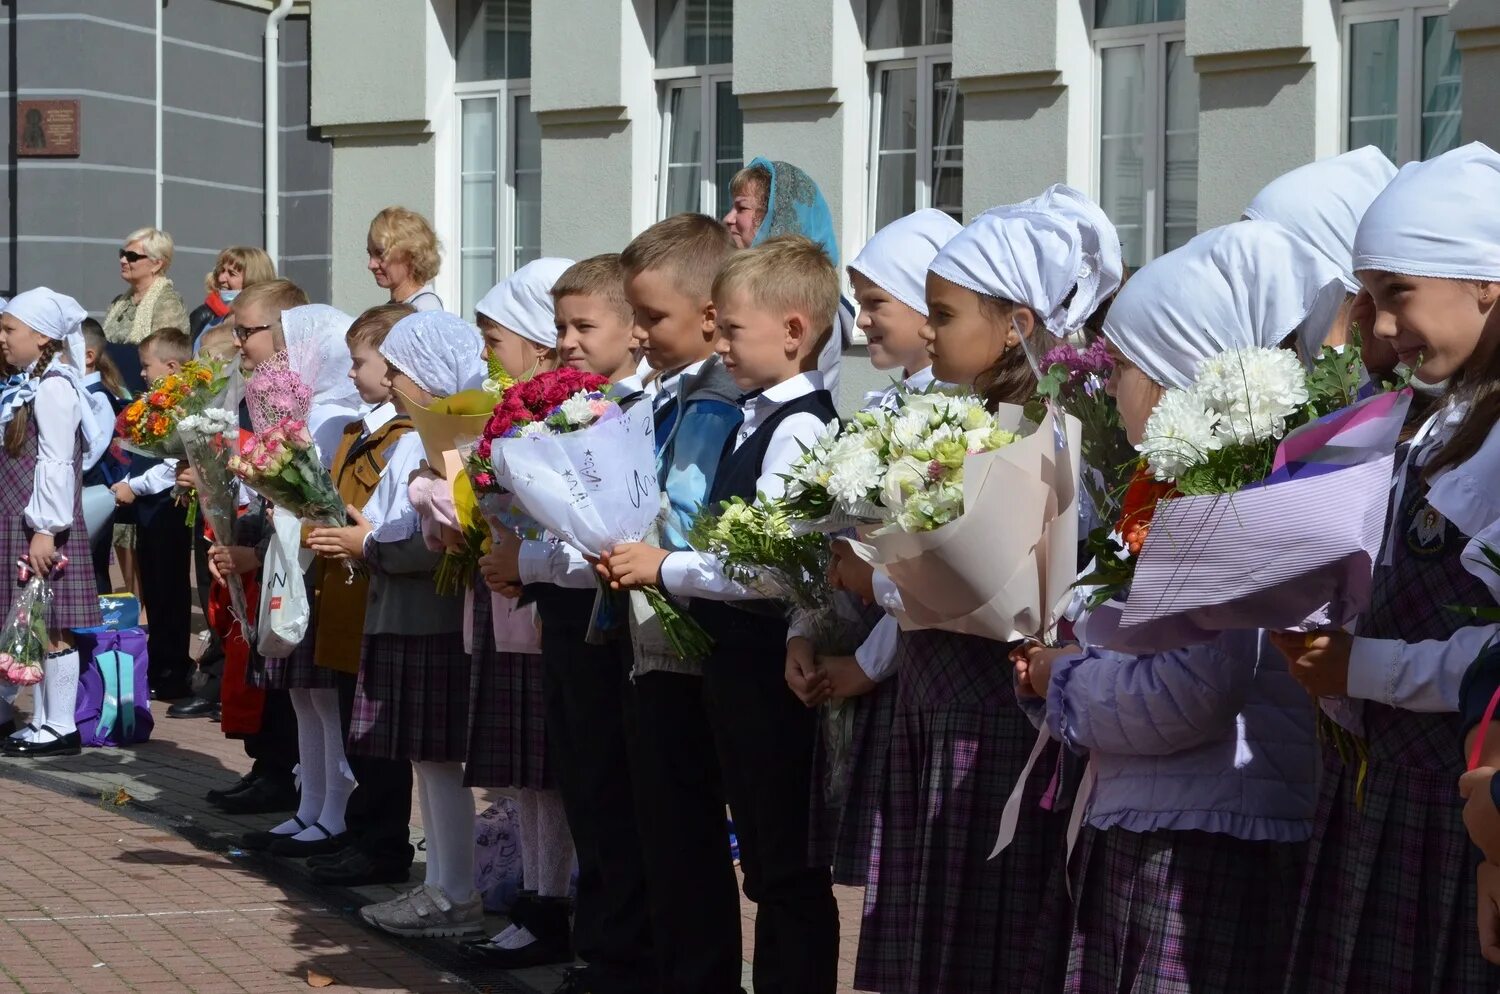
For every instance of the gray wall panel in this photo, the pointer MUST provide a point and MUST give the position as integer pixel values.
(225, 153)
(208, 218)
(89, 273)
(211, 84)
(305, 224)
(115, 133)
(310, 275)
(108, 59)
(84, 203)
(225, 26)
(295, 33)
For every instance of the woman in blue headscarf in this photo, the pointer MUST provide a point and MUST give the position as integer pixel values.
(768, 199)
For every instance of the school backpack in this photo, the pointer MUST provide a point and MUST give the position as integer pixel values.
(114, 698)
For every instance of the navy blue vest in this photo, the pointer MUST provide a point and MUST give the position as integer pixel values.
(751, 627)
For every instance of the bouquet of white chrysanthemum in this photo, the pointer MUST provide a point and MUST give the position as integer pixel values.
(211, 439)
(1221, 433)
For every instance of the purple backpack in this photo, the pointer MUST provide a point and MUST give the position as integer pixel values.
(114, 700)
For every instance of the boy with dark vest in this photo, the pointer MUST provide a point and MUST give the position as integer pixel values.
(775, 306)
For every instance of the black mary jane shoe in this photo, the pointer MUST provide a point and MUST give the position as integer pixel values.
(296, 849)
(263, 841)
(262, 797)
(61, 745)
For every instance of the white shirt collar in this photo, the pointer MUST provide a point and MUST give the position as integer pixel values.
(379, 417)
(668, 386)
(91, 378)
(920, 380)
(761, 406)
(630, 384)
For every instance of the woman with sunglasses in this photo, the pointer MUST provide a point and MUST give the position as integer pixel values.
(152, 302)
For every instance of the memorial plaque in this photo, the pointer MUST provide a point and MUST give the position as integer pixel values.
(47, 127)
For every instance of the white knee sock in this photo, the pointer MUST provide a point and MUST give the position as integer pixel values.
(58, 693)
(338, 778)
(546, 843)
(450, 805)
(424, 801)
(310, 770)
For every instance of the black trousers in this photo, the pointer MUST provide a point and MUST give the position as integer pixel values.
(379, 812)
(164, 552)
(692, 894)
(765, 736)
(99, 552)
(273, 749)
(583, 687)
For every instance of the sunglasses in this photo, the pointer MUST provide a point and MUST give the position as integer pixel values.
(132, 257)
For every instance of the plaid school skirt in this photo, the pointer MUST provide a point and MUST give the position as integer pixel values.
(1387, 900)
(843, 829)
(411, 700)
(75, 598)
(1180, 913)
(295, 672)
(507, 734)
(940, 916)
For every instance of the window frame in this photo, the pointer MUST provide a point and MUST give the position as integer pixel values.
(707, 79)
(506, 93)
(1409, 16)
(1153, 37)
(922, 58)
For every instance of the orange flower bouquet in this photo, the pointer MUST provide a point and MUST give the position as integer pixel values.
(148, 425)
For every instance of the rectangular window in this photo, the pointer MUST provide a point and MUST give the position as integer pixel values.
(702, 134)
(1123, 13)
(1148, 129)
(500, 146)
(694, 32)
(1402, 78)
(916, 120)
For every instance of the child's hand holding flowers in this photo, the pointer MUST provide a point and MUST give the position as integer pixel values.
(347, 542)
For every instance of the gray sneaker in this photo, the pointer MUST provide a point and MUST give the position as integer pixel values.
(427, 912)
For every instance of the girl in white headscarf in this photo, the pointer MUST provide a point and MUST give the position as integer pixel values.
(45, 414)
(959, 745)
(412, 697)
(515, 318)
(1389, 859)
(1202, 761)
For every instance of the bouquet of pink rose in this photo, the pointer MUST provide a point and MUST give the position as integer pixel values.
(282, 465)
(23, 642)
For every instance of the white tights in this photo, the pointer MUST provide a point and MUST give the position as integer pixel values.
(448, 819)
(325, 779)
(546, 843)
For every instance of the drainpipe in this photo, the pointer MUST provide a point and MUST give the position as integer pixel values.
(159, 177)
(273, 130)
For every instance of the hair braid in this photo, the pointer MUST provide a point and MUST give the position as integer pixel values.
(16, 431)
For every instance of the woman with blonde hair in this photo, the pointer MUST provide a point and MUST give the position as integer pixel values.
(405, 257)
(152, 302)
(236, 267)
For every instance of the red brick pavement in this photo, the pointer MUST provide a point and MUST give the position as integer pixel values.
(94, 902)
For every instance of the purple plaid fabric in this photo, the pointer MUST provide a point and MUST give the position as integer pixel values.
(412, 698)
(840, 835)
(507, 736)
(940, 916)
(75, 598)
(297, 671)
(1180, 913)
(1387, 900)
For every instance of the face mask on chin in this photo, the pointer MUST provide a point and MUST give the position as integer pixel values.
(228, 295)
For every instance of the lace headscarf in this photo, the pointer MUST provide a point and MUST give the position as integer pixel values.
(440, 352)
(316, 351)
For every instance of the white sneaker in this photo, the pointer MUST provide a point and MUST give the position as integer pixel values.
(427, 912)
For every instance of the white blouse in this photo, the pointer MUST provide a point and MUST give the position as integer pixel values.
(55, 483)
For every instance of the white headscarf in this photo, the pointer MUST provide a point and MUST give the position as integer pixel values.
(55, 315)
(1322, 202)
(1437, 218)
(317, 352)
(441, 352)
(60, 318)
(522, 301)
(1102, 266)
(1241, 286)
(1017, 253)
(897, 256)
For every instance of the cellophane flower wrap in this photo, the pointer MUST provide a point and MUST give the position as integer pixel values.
(1075, 380)
(148, 424)
(585, 470)
(211, 440)
(279, 460)
(979, 512)
(1227, 524)
(477, 501)
(23, 641)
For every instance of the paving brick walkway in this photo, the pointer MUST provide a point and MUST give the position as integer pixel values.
(154, 889)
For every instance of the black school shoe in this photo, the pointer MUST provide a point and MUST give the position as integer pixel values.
(195, 707)
(218, 794)
(297, 849)
(70, 744)
(546, 918)
(263, 797)
(356, 868)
